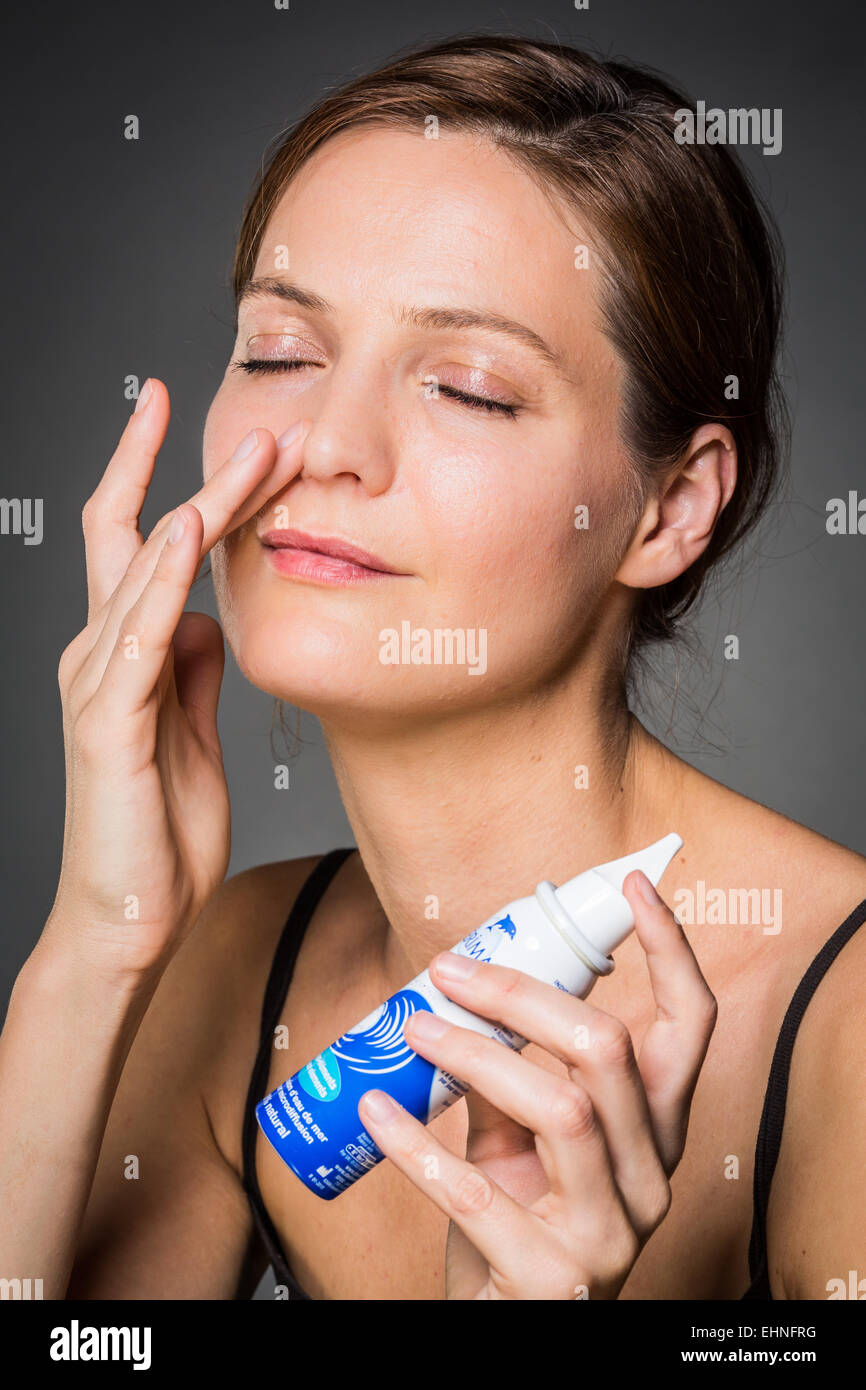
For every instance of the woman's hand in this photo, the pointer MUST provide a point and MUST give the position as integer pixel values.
(565, 1178)
(147, 832)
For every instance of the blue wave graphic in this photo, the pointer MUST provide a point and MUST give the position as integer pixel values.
(382, 1048)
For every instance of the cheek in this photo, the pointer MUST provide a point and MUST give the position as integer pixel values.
(214, 430)
(223, 428)
(503, 526)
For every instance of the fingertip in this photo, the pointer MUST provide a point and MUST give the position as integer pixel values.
(643, 887)
(178, 526)
(152, 409)
(651, 912)
(159, 388)
(294, 433)
(193, 516)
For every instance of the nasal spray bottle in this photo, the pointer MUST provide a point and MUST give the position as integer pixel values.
(561, 936)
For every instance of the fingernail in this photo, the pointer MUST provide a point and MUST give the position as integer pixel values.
(177, 528)
(427, 1025)
(380, 1107)
(646, 889)
(246, 446)
(455, 967)
(290, 435)
(144, 396)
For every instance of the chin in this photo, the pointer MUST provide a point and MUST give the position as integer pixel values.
(292, 656)
(333, 670)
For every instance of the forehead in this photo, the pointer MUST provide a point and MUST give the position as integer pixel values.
(451, 221)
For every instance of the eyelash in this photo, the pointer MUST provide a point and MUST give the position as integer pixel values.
(281, 364)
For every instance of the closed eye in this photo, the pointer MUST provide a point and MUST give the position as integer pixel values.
(478, 402)
(284, 364)
(272, 364)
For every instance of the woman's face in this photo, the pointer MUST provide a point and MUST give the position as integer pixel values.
(401, 240)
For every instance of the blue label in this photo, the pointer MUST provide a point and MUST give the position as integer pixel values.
(321, 1077)
(312, 1119)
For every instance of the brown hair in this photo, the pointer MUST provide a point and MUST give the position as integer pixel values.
(691, 261)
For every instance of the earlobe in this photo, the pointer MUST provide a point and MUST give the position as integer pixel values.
(678, 522)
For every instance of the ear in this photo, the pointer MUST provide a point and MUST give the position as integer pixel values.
(679, 519)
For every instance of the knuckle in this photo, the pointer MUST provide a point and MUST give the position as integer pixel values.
(416, 1148)
(90, 512)
(611, 1041)
(709, 1011)
(472, 1192)
(472, 1051)
(572, 1113)
(511, 981)
(658, 1204)
(68, 663)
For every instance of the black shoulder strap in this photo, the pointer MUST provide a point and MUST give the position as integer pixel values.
(279, 979)
(775, 1098)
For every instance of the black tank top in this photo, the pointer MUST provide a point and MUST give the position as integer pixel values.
(772, 1115)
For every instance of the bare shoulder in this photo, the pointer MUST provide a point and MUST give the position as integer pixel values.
(816, 881)
(216, 972)
(225, 966)
(816, 1221)
(143, 1239)
(240, 925)
(816, 1224)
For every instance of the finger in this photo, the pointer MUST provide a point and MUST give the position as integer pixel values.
(679, 988)
(501, 1229)
(256, 471)
(570, 1143)
(506, 1151)
(675, 1044)
(232, 494)
(199, 662)
(466, 1270)
(146, 631)
(597, 1050)
(110, 516)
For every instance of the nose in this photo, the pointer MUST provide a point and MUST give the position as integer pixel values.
(349, 434)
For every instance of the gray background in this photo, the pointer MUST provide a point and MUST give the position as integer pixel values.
(117, 257)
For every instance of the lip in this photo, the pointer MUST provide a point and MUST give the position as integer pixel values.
(326, 559)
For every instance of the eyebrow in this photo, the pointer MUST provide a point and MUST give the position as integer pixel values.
(272, 286)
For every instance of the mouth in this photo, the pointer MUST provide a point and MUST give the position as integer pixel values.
(323, 559)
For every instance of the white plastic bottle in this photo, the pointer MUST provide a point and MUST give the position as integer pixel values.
(559, 935)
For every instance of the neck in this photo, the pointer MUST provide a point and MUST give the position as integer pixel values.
(455, 819)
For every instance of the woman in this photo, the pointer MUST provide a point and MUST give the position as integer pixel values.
(505, 365)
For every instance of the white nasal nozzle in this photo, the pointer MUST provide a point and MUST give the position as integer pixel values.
(594, 902)
(653, 861)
